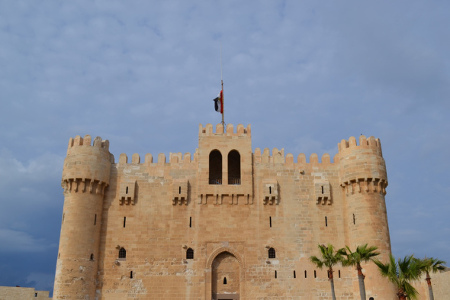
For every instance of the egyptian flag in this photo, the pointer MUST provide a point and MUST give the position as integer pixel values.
(218, 102)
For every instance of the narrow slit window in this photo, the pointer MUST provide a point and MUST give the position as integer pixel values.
(272, 253)
(64, 215)
(190, 221)
(315, 274)
(190, 253)
(354, 219)
(179, 190)
(224, 280)
(295, 275)
(322, 189)
(306, 274)
(126, 190)
(95, 219)
(270, 221)
(339, 273)
(131, 274)
(270, 190)
(276, 275)
(326, 222)
(124, 221)
(92, 257)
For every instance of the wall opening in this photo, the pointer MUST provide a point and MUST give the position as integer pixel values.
(276, 274)
(124, 221)
(190, 253)
(92, 257)
(306, 274)
(354, 219)
(326, 222)
(315, 274)
(190, 222)
(215, 167)
(95, 219)
(234, 167)
(272, 253)
(131, 274)
(225, 277)
(270, 221)
(122, 253)
(295, 275)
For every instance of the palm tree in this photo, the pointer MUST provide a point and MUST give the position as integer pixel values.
(362, 254)
(328, 258)
(402, 273)
(431, 265)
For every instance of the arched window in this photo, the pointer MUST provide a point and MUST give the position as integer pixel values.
(272, 253)
(234, 167)
(190, 254)
(215, 167)
(122, 253)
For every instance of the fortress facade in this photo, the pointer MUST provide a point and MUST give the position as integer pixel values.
(224, 223)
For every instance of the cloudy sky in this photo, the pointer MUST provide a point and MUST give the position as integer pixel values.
(143, 74)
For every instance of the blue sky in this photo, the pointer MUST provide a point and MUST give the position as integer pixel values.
(142, 74)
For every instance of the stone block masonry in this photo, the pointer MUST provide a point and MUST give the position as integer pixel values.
(225, 222)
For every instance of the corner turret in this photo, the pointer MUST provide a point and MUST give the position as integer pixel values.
(85, 177)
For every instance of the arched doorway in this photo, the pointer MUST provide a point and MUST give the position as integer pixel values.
(225, 277)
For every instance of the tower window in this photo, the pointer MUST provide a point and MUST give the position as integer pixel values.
(272, 253)
(270, 190)
(224, 280)
(215, 167)
(179, 190)
(190, 221)
(339, 273)
(306, 274)
(295, 275)
(315, 274)
(95, 219)
(326, 222)
(92, 256)
(276, 275)
(354, 219)
(190, 254)
(122, 253)
(270, 221)
(234, 167)
(131, 274)
(124, 221)
(126, 190)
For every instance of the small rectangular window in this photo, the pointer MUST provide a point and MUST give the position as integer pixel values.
(354, 219)
(326, 222)
(270, 221)
(131, 274)
(95, 219)
(339, 273)
(306, 274)
(124, 221)
(315, 274)
(295, 276)
(190, 221)
(276, 275)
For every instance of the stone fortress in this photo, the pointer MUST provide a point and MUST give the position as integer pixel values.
(223, 223)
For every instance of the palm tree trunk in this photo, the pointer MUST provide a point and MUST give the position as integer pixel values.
(362, 287)
(330, 277)
(333, 295)
(430, 288)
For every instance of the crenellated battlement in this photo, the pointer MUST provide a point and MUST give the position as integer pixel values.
(364, 143)
(240, 130)
(86, 142)
(174, 159)
(278, 157)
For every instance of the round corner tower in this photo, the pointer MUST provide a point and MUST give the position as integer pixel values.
(363, 179)
(85, 176)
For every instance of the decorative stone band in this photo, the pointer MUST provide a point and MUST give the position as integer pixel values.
(83, 185)
(365, 185)
(218, 198)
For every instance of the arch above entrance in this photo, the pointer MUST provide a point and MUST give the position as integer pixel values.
(218, 251)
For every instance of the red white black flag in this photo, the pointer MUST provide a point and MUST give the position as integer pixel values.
(218, 102)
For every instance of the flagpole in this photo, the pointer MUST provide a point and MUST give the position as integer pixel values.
(221, 81)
